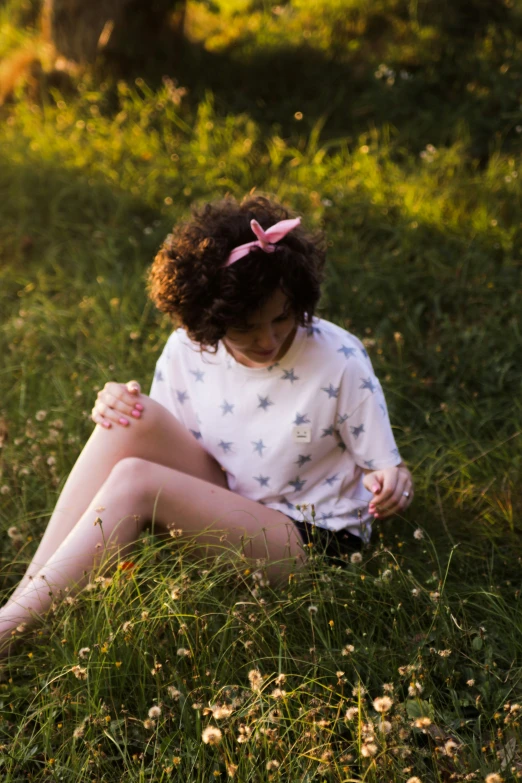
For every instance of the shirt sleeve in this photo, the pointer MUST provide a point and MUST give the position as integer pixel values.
(363, 423)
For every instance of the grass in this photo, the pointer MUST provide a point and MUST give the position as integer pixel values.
(417, 183)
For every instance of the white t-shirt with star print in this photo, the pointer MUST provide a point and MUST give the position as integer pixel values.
(324, 390)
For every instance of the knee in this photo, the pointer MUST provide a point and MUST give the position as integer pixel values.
(130, 477)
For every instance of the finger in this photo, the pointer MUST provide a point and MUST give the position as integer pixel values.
(121, 392)
(111, 414)
(122, 406)
(393, 499)
(99, 419)
(399, 501)
(388, 488)
(133, 387)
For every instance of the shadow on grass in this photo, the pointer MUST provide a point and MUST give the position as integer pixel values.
(445, 58)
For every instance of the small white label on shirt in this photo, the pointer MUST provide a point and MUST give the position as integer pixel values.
(302, 434)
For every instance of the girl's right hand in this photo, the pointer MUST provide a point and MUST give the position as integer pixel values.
(117, 403)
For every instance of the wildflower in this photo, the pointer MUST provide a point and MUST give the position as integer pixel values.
(280, 679)
(312, 609)
(470, 683)
(176, 532)
(494, 777)
(356, 557)
(388, 687)
(154, 711)
(40, 415)
(382, 704)
(277, 693)
(231, 770)
(173, 692)
(244, 733)
(79, 731)
(221, 711)
(444, 653)
(359, 689)
(368, 749)
(450, 748)
(435, 596)
(385, 726)
(14, 534)
(386, 575)
(149, 724)
(349, 648)
(182, 651)
(197, 705)
(4, 490)
(415, 592)
(350, 713)
(415, 688)
(211, 735)
(175, 593)
(422, 723)
(256, 679)
(273, 764)
(418, 534)
(414, 780)
(83, 652)
(80, 673)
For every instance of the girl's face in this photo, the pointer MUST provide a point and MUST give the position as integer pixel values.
(266, 337)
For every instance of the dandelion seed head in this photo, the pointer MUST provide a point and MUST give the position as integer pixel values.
(154, 711)
(211, 735)
(422, 723)
(368, 749)
(356, 557)
(494, 777)
(173, 692)
(270, 765)
(418, 534)
(382, 704)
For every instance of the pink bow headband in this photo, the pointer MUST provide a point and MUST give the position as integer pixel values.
(265, 239)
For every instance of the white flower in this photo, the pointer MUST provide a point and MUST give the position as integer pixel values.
(418, 534)
(154, 711)
(351, 713)
(211, 735)
(382, 704)
(356, 557)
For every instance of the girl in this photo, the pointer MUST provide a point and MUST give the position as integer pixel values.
(258, 413)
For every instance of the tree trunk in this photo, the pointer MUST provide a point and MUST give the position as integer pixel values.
(81, 29)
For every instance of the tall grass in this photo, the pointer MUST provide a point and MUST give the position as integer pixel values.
(421, 209)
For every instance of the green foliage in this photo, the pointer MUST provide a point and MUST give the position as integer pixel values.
(416, 181)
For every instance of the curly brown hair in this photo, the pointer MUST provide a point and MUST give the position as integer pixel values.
(188, 279)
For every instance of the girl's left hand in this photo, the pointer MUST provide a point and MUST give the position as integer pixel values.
(392, 490)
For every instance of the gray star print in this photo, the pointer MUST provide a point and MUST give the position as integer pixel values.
(158, 376)
(198, 375)
(332, 479)
(264, 402)
(347, 351)
(367, 384)
(227, 407)
(302, 458)
(329, 431)
(327, 515)
(356, 431)
(287, 503)
(196, 434)
(289, 376)
(182, 396)
(298, 483)
(369, 463)
(364, 353)
(331, 391)
(342, 419)
(383, 409)
(311, 330)
(263, 480)
(301, 418)
(258, 446)
(395, 452)
(225, 446)
(272, 366)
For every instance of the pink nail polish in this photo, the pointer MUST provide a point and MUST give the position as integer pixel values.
(136, 414)
(139, 406)
(123, 421)
(106, 424)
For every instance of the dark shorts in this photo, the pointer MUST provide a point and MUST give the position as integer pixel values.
(338, 546)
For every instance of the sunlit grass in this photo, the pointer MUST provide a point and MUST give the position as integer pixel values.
(424, 266)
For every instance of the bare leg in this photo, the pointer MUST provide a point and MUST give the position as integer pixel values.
(158, 436)
(135, 488)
